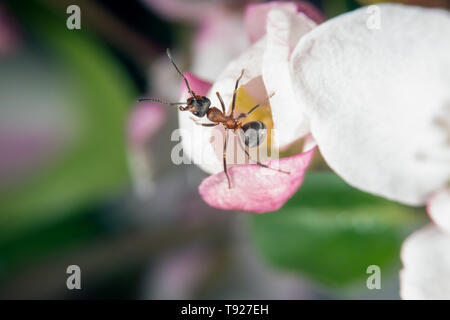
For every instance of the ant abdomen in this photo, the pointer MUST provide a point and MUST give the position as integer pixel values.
(254, 133)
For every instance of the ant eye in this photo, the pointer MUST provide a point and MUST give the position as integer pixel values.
(195, 113)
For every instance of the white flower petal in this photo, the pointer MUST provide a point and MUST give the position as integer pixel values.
(426, 265)
(439, 209)
(220, 39)
(378, 100)
(196, 140)
(284, 29)
(250, 61)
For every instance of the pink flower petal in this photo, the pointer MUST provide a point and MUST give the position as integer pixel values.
(255, 18)
(145, 120)
(256, 189)
(186, 10)
(199, 86)
(310, 11)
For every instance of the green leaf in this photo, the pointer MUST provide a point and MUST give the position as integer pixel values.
(100, 92)
(332, 232)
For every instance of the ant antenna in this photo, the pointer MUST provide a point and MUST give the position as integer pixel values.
(162, 101)
(185, 80)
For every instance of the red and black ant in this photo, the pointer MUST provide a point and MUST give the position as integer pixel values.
(253, 132)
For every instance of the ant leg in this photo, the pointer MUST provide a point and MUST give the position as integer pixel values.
(204, 124)
(221, 102)
(207, 124)
(261, 103)
(236, 86)
(225, 158)
(257, 162)
(254, 108)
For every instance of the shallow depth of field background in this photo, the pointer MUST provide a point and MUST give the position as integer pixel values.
(73, 190)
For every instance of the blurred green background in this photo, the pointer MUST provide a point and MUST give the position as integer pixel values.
(75, 190)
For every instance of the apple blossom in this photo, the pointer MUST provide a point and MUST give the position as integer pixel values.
(351, 86)
(255, 189)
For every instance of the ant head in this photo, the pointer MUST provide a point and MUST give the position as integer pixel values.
(198, 105)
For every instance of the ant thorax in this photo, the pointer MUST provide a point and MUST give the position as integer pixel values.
(215, 115)
(253, 130)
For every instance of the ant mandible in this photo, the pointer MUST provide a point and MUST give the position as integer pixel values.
(253, 132)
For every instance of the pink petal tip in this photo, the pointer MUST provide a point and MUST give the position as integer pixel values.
(255, 17)
(256, 189)
(310, 11)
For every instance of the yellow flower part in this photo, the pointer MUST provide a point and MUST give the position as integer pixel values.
(245, 102)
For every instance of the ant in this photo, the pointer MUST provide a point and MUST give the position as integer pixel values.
(253, 132)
